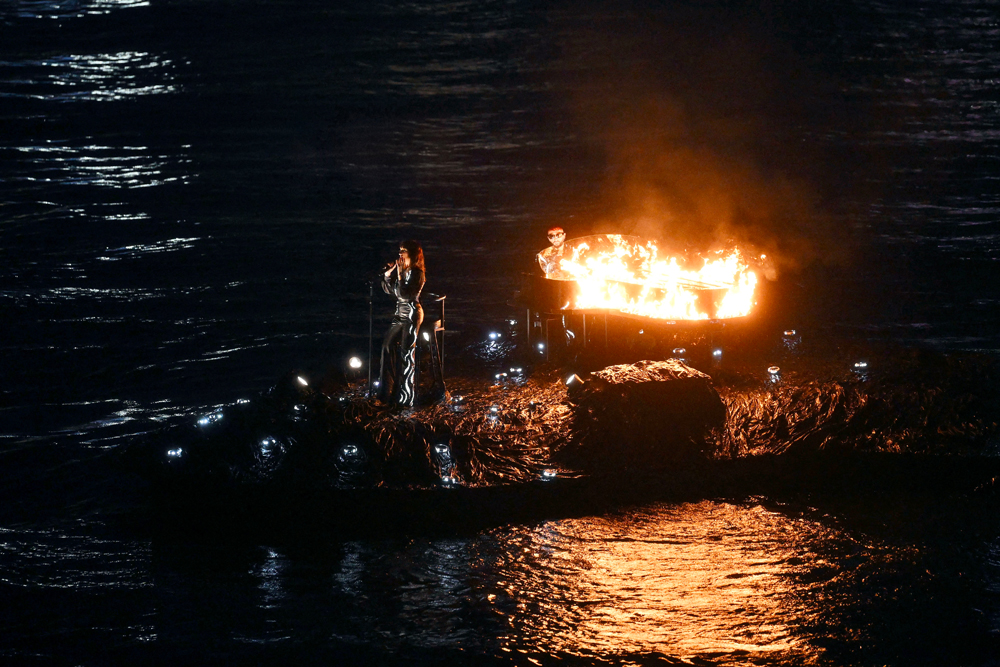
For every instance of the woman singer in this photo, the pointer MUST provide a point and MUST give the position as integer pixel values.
(403, 279)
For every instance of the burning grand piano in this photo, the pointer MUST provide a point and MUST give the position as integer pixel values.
(610, 279)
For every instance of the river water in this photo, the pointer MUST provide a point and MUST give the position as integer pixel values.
(195, 194)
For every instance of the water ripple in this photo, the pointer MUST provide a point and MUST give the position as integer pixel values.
(89, 77)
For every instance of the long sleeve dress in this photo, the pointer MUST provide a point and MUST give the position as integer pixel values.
(397, 371)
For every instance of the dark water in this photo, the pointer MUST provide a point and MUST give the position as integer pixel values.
(195, 193)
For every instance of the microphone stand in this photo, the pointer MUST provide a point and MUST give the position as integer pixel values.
(371, 329)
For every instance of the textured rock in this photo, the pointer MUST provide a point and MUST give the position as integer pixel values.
(649, 414)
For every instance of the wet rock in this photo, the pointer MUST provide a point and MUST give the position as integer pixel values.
(649, 414)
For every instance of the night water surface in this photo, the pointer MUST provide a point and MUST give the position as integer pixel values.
(196, 194)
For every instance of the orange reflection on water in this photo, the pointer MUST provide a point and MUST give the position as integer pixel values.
(690, 581)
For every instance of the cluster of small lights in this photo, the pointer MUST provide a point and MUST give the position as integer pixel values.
(350, 451)
(717, 352)
(175, 453)
(243, 401)
(549, 475)
(495, 336)
(210, 419)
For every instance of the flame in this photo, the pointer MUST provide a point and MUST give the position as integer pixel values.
(627, 274)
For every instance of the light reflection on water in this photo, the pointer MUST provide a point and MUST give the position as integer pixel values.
(65, 559)
(688, 580)
(734, 583)
(101, 77)
(108, 166)
(57, 9)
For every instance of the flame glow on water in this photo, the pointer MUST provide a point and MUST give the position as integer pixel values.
(627, 274)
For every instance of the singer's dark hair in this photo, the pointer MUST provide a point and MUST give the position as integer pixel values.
(416, 253)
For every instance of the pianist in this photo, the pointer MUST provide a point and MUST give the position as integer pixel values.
(549, 258)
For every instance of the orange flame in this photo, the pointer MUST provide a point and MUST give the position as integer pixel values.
(627, 274)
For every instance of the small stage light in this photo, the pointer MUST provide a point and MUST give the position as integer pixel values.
(541, 347)
(175, 453)
(494, 335)
(210, 419)
(266, 445)
(549, 475)
(351, 453)
(302, 381)
(355, 362)
(774, 372)
(574, 379)
(427, 336)
(717, 352)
